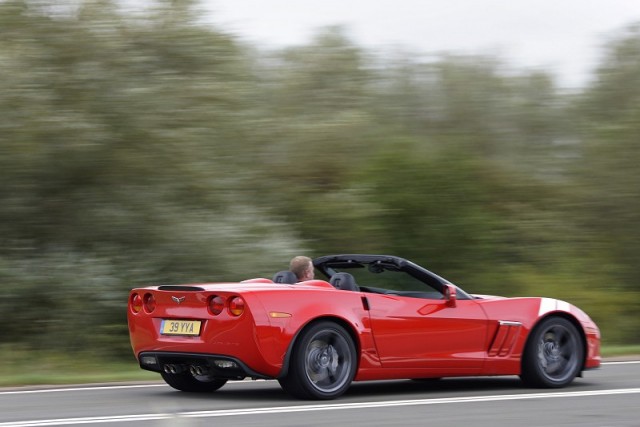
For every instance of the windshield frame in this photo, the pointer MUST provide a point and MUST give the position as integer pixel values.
(330, 264)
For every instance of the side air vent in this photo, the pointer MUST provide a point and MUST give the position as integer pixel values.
(505, 338)
(180, 288)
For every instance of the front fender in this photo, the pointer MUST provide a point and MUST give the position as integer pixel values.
(529, 312)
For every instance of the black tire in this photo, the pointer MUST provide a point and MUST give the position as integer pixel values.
(323, 363)
(187, 382)
(554, 354)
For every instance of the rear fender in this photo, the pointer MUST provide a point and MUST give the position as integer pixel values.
(287, 318)
(345, 324)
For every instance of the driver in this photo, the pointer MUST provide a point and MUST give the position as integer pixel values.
(302, 267)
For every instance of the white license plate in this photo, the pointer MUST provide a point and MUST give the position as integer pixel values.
(180, 327)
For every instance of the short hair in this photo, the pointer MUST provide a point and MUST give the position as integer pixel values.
(299, 265)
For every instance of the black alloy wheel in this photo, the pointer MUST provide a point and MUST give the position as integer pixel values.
(554, 354)
(323, 363)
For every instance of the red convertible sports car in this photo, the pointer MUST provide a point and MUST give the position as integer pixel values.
(375, 317)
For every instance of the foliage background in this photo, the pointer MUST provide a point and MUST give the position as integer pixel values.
(149, 148)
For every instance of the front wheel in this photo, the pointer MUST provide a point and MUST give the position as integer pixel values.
(187, 382)
(553, 355)
(323, 363)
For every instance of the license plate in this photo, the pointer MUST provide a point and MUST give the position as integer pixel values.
(180, 327)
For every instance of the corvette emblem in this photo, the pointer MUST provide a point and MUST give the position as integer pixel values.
(178, 300)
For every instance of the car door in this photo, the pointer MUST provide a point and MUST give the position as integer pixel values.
(427, 333)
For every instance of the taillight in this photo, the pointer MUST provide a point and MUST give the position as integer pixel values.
(216, 305)
(236, 306)
(149, 303)
(136, 303)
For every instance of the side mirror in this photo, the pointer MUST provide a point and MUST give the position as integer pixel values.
(450, 295)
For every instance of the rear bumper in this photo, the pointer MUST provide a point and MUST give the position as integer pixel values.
(219, 366)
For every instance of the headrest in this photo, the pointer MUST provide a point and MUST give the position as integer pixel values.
(288, 277)
(344, 281)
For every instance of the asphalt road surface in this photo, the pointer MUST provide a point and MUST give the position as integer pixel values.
(608, 397)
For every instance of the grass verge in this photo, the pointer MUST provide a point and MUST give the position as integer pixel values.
(22, 368)
(620, 350)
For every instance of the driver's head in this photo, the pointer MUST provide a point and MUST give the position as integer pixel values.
(302, 267)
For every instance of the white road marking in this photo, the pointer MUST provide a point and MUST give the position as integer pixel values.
(96, 388)
(108, 387)
(622, 362)
(116, 387)
(310, 408)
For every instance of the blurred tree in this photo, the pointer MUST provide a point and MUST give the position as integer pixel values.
(147, 147)
(317, 131)
(471, 103)
(119, 128)
(607, 175)
(468, 218)
(119, 142)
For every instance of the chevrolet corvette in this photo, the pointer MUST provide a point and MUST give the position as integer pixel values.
(375, 317)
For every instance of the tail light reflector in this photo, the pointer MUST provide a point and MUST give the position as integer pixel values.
(136, 303)
(236, 306)
(216, 305)
(149, 303)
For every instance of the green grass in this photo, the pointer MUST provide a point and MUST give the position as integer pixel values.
(20, 368)
(620, 350)
(117, 373)
(23, 368)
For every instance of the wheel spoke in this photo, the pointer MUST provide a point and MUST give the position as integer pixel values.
(561, 336)
(567, 351)
(556, 366)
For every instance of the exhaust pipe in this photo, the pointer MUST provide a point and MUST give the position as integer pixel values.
(173, 369)
(198, 370)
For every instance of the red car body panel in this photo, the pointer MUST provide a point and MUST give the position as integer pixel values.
(395, 336)
(432, 340)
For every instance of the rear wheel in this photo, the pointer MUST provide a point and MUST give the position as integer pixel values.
(553, 355)
(323, 363)
(187, 382)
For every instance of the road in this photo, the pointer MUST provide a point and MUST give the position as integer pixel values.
(608, 397)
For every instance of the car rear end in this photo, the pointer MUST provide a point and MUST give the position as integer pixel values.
(207, 330)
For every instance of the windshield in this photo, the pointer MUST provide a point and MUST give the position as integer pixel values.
(387, 275)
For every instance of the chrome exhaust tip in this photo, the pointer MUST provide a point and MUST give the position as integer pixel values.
(173, 369)
(198, 370)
